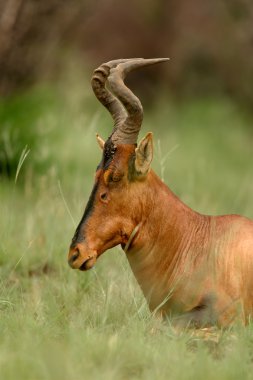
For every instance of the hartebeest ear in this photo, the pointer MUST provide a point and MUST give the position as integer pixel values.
(100, 141)
(144, 155)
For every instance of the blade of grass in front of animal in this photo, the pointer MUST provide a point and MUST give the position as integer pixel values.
(134, 232)
(22, 158)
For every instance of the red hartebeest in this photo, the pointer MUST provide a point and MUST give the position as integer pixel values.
(194, 266)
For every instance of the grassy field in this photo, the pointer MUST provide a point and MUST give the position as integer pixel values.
(56, 323)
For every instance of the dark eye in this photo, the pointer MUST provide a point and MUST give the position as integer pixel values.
(116, 178)
(103, 196)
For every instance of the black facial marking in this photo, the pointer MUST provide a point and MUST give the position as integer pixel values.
(100, 165)
(108, 154)
(109, 151)
(78, 236)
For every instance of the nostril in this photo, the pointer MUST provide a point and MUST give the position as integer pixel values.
(74, 256)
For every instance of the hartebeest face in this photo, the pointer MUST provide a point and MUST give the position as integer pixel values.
(110, 215)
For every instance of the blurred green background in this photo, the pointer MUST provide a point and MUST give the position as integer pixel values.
(49, 48)
(56, 323)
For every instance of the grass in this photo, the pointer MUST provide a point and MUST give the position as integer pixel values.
(57, 323)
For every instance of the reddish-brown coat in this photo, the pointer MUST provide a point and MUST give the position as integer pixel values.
(193, 267)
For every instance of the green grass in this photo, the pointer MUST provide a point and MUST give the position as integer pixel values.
(56, 323)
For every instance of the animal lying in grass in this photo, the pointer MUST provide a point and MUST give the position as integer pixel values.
(193, 267)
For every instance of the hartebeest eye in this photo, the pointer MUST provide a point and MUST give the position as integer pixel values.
(116, 177)
(112, 176)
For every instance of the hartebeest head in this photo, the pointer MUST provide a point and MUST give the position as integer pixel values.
(111, 216)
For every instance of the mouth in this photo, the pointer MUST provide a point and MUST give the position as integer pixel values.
(88, 264)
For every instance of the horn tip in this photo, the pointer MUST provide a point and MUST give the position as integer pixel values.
(157, 60)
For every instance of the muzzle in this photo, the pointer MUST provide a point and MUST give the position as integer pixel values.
(81, 257)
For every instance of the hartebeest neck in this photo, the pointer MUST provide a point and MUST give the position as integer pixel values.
(167, 235)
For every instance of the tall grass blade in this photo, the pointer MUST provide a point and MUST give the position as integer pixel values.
(23, 156)
(65, 204)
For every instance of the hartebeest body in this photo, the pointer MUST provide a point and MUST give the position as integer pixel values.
(190, 265)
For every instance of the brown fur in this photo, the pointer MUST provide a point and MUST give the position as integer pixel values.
(195, 268)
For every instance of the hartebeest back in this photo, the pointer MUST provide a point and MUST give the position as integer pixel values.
(190, 265)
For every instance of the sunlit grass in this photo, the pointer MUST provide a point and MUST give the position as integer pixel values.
(57, 323)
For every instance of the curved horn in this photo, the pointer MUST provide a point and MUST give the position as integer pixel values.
(127, 132)
(126, 124)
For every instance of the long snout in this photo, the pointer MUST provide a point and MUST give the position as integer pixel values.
(81, 257)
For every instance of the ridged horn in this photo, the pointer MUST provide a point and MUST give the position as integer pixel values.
(124, 106)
